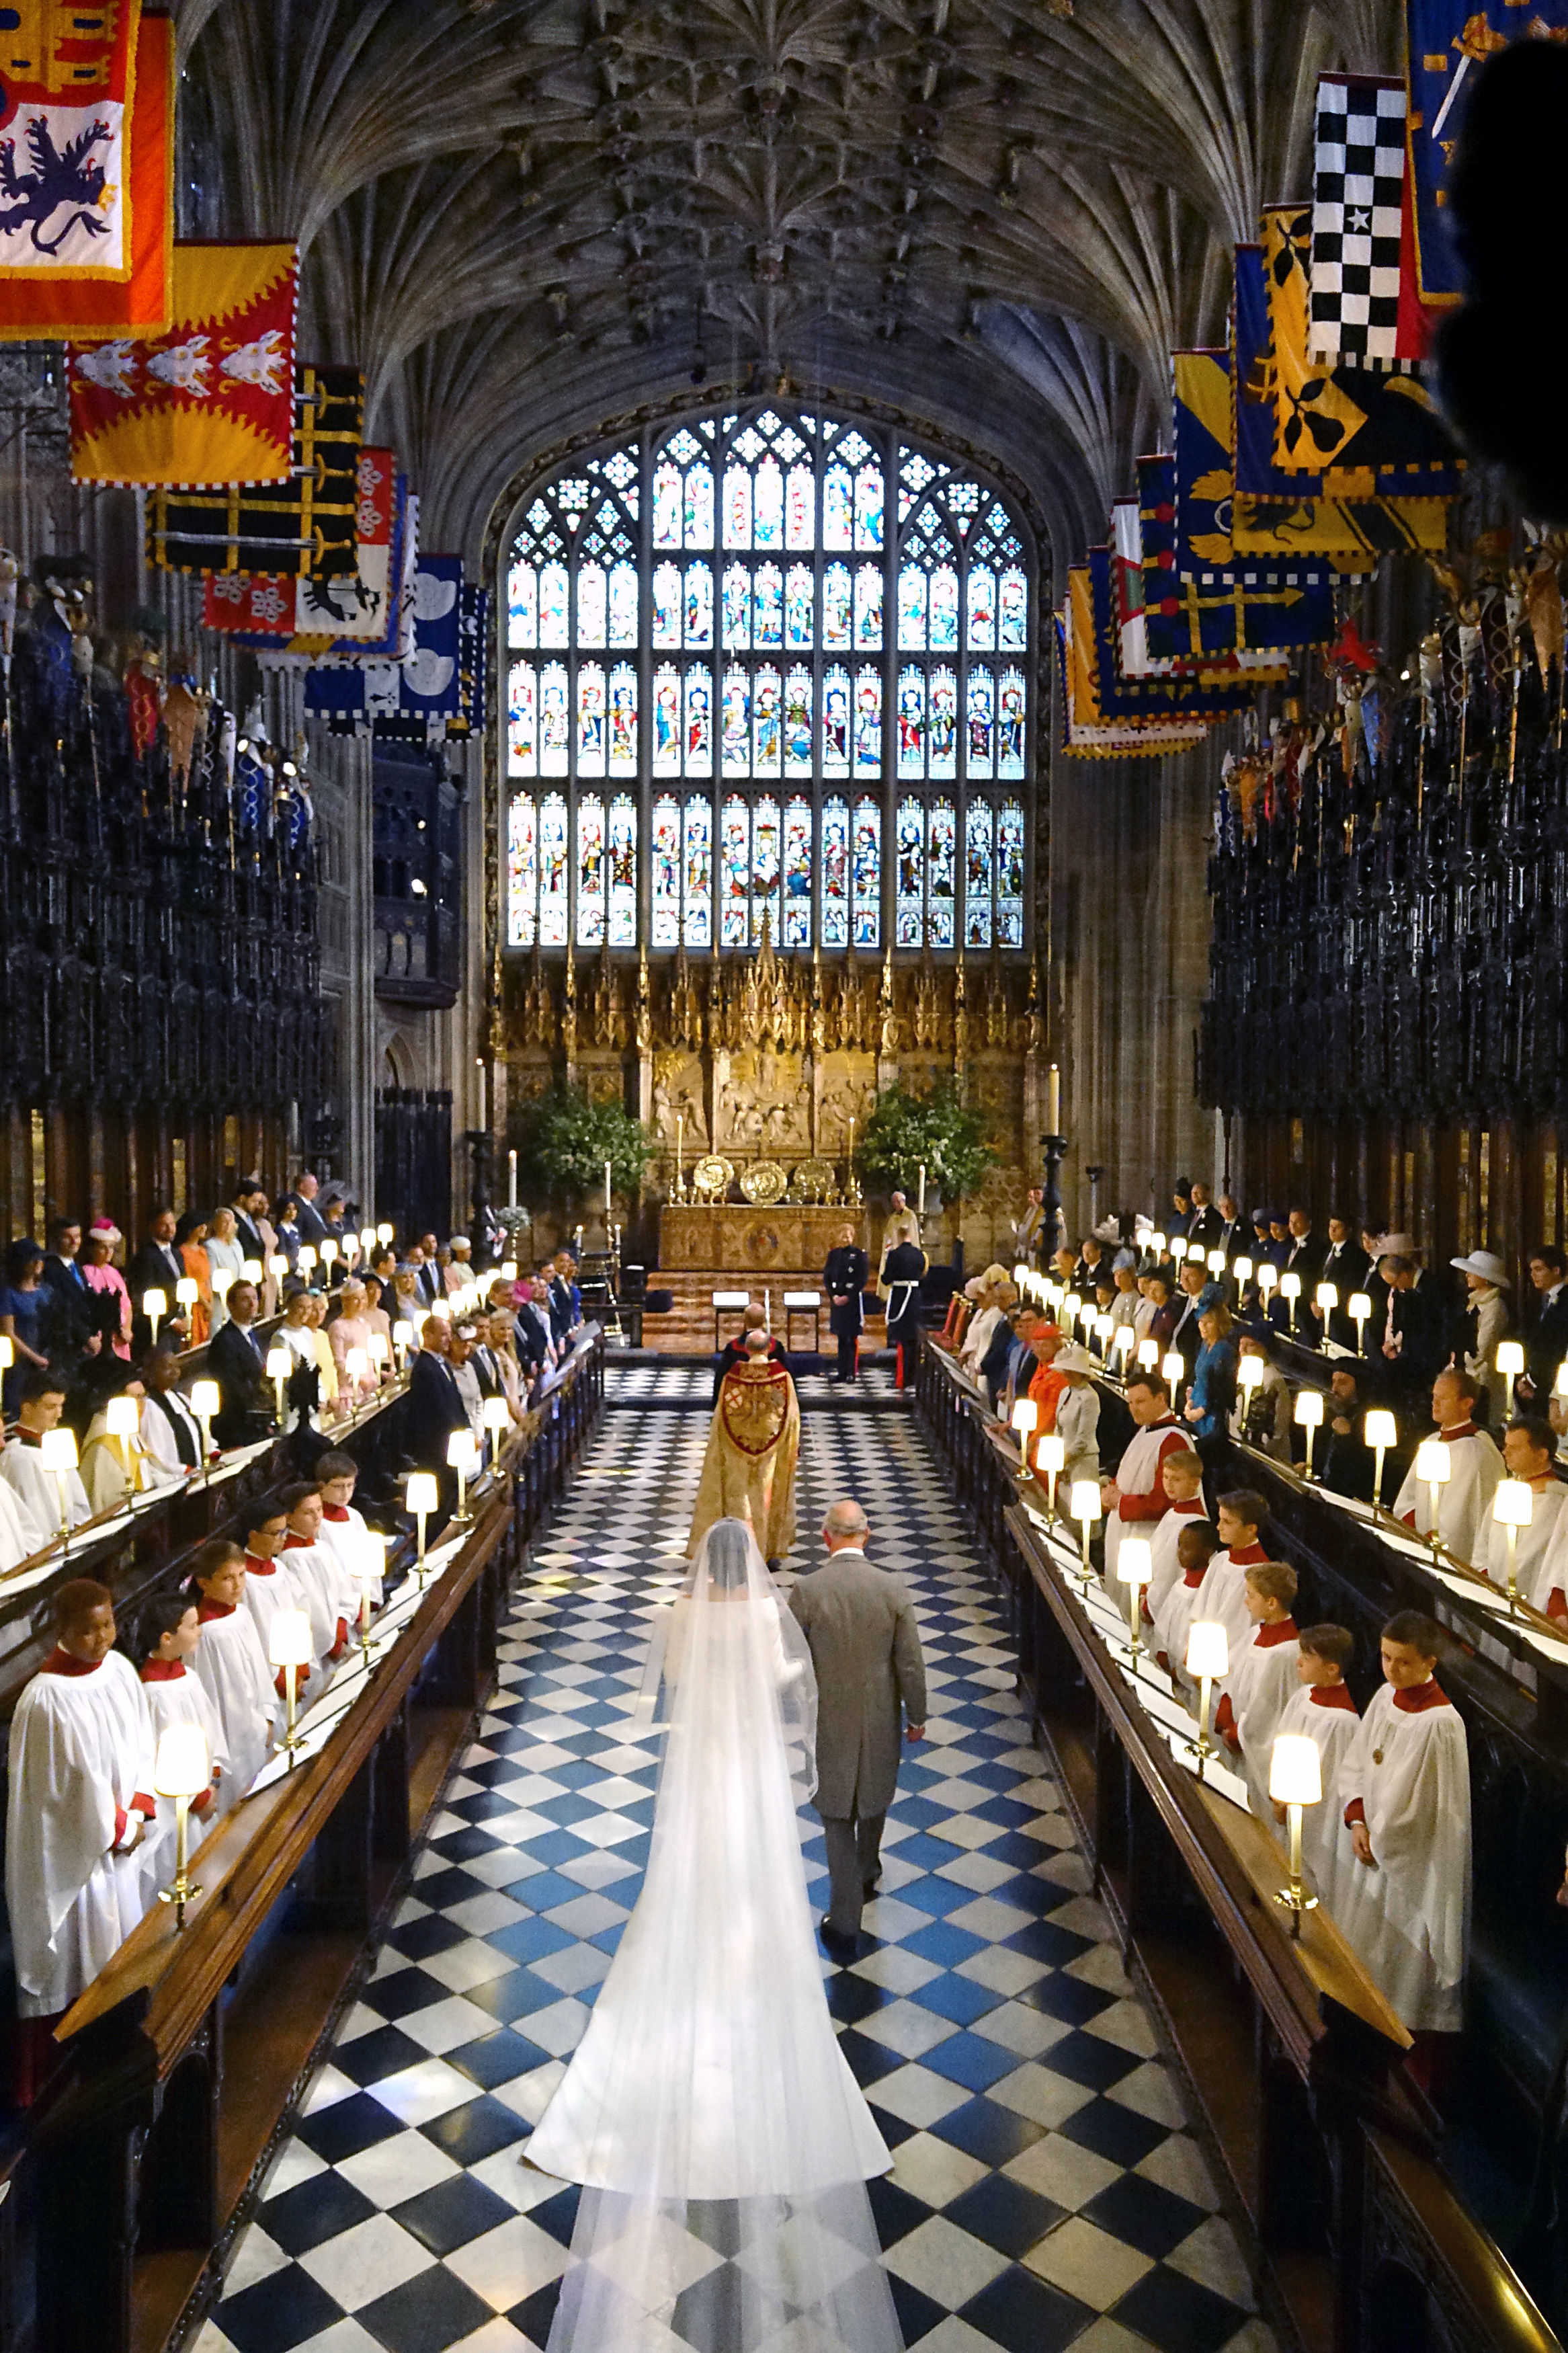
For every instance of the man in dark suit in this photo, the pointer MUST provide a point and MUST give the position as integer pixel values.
(1196, 1292)
(236, 1358)
(844, 1278)
(1205, 1225)
(1235, 1230)
(250, 1201)
(1347, 1266)
(435, 1406)
(1304, 1259)
(424, 1256)
(1414, 1345)
(1547, 1343)
(312, 1226)
(157, 1266)
(76, 1332)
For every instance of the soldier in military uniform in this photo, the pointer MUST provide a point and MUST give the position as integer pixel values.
(844, 1278)
(902, 1270)
(901, 1226)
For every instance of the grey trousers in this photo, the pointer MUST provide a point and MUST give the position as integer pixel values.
(854, 1854)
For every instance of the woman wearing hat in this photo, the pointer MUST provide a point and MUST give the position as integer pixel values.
(101, 1274)
(1486, 1315)
(1077, 1416)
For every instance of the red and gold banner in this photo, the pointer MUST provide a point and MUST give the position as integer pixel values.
(39, 306)
(66, 201)
(210, 401)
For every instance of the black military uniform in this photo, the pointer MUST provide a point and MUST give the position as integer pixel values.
(901, 1271)
(844, 1278)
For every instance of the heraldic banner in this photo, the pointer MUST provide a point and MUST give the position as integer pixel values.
(39, 302)
(212, 401)
(67, 198)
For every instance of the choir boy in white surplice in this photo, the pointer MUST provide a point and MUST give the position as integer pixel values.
(40, 1403)
(19, 1537)
(1196, 1544)
(1182, 1478)
(1262, 1677)
(1321, 1709)
(1464, 1504)
(84, 1849)
(343, 1531)
(1529, 1454)
(1405, 1792)
(1221, 1598)
(168, 1634)
(231, 1664)
(1133, 1502)
(322, 1578)
(270, 1585)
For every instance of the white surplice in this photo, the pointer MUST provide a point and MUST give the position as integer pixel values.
(1464, 1504)
(80, 1779)
(1141, 1501)
(1407, 1914)
(182, 1698)
(1325, 1714)
(1261, 1680)
(21, 1465)
(20, 1536)
(1165, 1569)
(356, 1550)
(230, 1663)
(1535, 1543)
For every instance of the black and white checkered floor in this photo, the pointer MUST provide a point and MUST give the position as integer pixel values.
(1045, 2191)
(678, 1382)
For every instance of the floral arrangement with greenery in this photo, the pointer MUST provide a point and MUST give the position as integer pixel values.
(937, 1131)
(567, 1140)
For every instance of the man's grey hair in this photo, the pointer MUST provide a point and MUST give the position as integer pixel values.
(758, 1342)
(845, 1518)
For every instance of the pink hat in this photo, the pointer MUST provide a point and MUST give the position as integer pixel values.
(106, 1229)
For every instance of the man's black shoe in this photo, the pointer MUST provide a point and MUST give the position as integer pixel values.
(839, 1946)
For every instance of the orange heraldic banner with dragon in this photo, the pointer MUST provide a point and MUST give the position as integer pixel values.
(212, 401)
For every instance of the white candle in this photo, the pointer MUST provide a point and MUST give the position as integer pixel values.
(511, 1180)
(680, 1140)
(606, 1192)
(1054, 1101)
(922, 1200)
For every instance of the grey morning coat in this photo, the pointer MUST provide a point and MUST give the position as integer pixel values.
(859, 1623)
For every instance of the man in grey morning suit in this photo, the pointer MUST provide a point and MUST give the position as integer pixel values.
(859, 1623)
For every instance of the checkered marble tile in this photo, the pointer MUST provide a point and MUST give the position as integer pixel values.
(1045, 2191)
(686, 1381)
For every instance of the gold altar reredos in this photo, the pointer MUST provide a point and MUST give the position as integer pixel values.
(734, 1238)
(770, 1056)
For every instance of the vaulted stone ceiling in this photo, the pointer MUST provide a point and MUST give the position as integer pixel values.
(528, 219)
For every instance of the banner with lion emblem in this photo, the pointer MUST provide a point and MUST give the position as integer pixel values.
(209, 403)
(67, 79)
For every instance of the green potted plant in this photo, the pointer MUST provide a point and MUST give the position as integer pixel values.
(937, 1131)
(568, 1141)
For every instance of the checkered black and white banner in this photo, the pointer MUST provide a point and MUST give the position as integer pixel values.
(1357, 209)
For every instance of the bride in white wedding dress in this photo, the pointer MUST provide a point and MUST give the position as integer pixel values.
(709, 2110)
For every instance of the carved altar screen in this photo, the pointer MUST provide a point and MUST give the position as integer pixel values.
(768, 668)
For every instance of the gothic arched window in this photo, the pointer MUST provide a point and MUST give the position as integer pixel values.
(768, 670)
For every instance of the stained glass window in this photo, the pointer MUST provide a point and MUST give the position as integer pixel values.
(848, 616)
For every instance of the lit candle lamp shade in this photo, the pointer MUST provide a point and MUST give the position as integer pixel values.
(1510, 1357)
(1268, 1276)
(1135, 1561)
(329, 1252)
(367, 1238)
(1103, 1328)
(7, 1352)
(1157, 1244)
(1175, 1368)
(1380, 1430)
(422, 1492)
(121, 1417)
(1085, 1504)
(187, 1291)
(1242, 1270)
(1328, 1297)
(377, 1348)
(56, 1449)
(251, 1270)
(278, 1264)
(385, 1232)
(1051, 1454)
(1560, 1385)
(1149, 1355)
(224, 1279)
(206, 1400)
(1208, 1650)
(1123, 1340)
(1513, 1504)
(1072, 1307)
(356, 1364)
(508, 1270)
(1359, 1306)
(181, 1768)
(1434, 1462)
(289, 1639)
(1216, 1262)
(280, 1363)
(495, 1415)
(1025, 1414)
(305, 1257)
(1310, 1408)
(442, 1310)
(1021, 1277)
(1291, 1285)
(1178, 1248)
(462, 1452)
(1295, 1771)
(1249, 1372)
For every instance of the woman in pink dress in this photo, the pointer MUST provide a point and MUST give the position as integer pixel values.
(100, 1274)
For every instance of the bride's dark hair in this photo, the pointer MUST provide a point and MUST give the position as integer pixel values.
(728, 1553)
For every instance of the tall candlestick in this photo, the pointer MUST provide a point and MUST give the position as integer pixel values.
(679, 1142)
(511, 1180)
(606, 1192)
(1054, 1101)
(923, 1198)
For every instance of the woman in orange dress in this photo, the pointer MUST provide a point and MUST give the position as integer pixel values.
(190, 1237)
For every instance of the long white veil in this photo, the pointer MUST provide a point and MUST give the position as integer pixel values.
(724, 2142)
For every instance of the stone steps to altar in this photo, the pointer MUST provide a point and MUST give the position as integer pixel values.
(687, 1329)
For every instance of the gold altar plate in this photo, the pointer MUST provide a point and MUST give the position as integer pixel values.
(763, 1182)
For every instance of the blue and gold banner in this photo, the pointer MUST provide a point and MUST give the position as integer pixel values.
(1085, 732)
(1450, 40)
(1220, 609)
(1171, 698)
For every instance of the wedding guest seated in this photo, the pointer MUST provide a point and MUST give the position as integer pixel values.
(1405, 1790)
(1262, 1676)
(168, 1633)
(40, 1404)
(1321, 1709)
(231, 1665)
(114, 1469)
(84, 1849)
(1262, 1414)
(1475, 1466)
